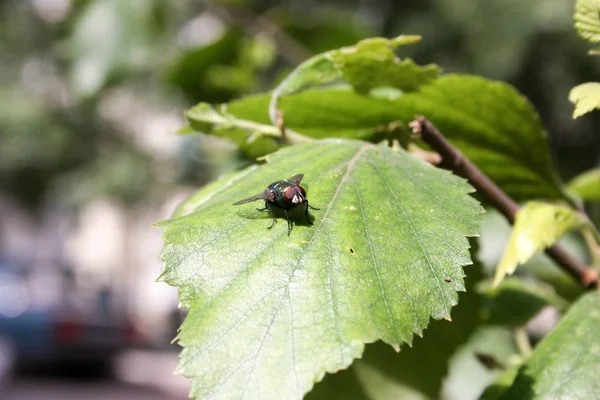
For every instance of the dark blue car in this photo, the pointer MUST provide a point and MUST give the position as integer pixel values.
(58, 329)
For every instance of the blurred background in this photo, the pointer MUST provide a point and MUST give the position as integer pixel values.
(91, 94)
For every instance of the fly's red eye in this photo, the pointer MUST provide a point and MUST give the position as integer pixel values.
(302, 191)
(289, 194)
(294, 195)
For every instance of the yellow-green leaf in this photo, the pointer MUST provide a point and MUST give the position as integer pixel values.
(586, 98)
(537, 226)
(587, 19)
(586, 185)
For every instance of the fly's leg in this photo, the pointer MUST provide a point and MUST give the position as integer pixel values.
(270, 208)
(288, 220)
(306, 213)
(263, 209)
(314, 208)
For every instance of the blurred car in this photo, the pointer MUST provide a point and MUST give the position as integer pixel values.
(45, 326)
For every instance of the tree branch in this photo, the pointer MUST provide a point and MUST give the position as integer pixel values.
(453, 159)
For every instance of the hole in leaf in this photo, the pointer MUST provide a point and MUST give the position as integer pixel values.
(351, 250)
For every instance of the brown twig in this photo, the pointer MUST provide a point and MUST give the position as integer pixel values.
(453, 159)
(281, 124)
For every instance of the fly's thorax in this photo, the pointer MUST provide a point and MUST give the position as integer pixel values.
(270, 195)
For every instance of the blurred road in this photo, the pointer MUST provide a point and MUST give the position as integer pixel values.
(138, 375)
(53, 389)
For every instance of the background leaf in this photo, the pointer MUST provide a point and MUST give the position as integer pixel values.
(566, 363)
(586, 98)
(127, 34)
(500, 385)
(537, 226)
(286, 309)
(468, 375)
(515, 301)
(495, 127)
(586, 185)
(490, 122)
(587, 21)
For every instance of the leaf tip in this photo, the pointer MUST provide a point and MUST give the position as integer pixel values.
(161, 277)
(179, 370)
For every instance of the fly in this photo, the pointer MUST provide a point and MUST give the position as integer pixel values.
(286, 195)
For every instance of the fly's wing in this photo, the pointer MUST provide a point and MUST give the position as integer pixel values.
(256, 197)
(296, 179)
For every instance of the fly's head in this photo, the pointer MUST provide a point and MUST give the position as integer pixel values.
(294, 195)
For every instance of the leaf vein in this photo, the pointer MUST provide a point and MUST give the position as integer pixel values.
(437, 279)
(383, 296)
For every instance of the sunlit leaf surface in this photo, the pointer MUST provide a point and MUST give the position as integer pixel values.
(415, 372)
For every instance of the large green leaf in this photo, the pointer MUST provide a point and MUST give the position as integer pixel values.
(490, 122)
(566, 363)
(587, 21)
(537, 226)
(586, 185)
(270, 314)
(369, 64)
